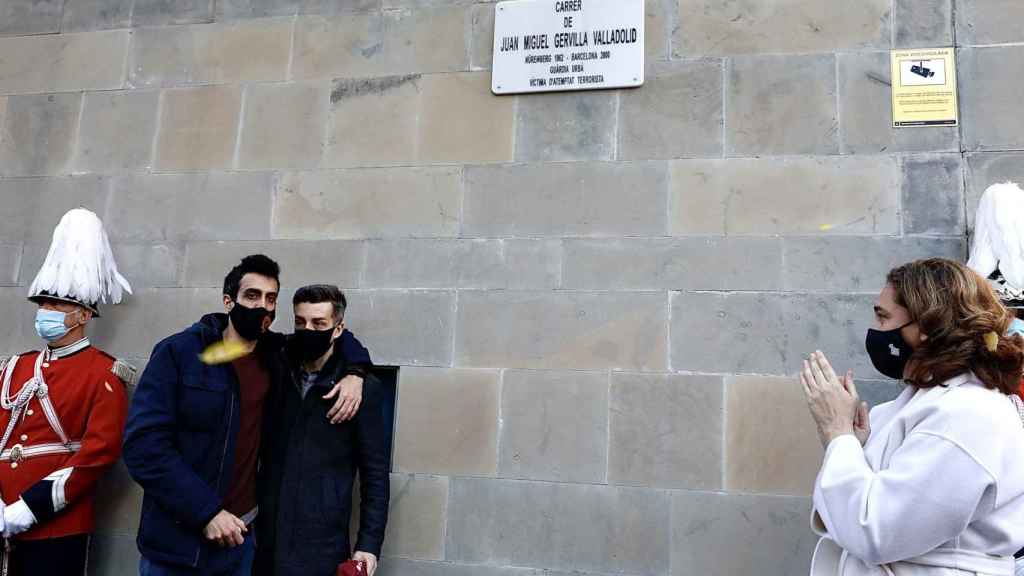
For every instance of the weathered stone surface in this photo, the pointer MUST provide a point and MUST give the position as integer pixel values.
(429, 263)
(118, 503)
(25, 17)
(481, 41)
(577, 330)
(989, 117)
(241, 9)
(768, 333)
(132, 328)
(37, 133)
(86, 15)
(443, 29)
(113, 555)
(989, 22)
(984, 170)
(377, 203)
(677, 113)
(713, 27)
(62, 63)
(17, 331)
(198, 128)
(461, 121)
(404, 327)
(923, 23)
(447, 421)
(708, 263)
(558, 526)
(163, 207)
(781, 105)
(849, 195)
(338, 262)
(416, 519)
(30, 208)
(659, 23)
(283, 126)
(566, 126)
(167, 12)
(569, 199)
(116, 131)
(666, 431)
(933, 195)
(773, 451)
(554, 426)
(211, 53)
(857, 264)
(366, 115)
(740, 534)
(865, 111)
(10, 263)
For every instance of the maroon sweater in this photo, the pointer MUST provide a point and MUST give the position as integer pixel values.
(253, 386)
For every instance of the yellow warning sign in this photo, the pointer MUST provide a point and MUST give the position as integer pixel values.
(924, 87)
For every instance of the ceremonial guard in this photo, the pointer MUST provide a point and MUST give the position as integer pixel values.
(63, 408)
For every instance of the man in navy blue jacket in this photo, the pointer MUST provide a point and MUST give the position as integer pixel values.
(194, 431)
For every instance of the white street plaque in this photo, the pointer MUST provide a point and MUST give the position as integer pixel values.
(559, 45)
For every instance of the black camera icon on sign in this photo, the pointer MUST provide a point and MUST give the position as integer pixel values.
(922, 71)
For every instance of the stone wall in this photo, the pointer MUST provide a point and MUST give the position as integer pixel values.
(595, 299)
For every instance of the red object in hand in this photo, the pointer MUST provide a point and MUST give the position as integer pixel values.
(352, 568)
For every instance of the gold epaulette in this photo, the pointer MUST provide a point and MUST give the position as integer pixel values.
(125, 371)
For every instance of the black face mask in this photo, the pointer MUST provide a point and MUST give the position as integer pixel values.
(888, 350)
(310, 345)
(248, 322)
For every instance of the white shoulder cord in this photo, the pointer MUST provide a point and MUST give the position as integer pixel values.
(36, 387)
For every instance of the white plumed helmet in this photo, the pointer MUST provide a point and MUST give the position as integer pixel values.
(999, 240)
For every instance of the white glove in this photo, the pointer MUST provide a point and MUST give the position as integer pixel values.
(18, 517)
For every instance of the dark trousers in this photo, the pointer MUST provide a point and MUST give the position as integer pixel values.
(65, 556)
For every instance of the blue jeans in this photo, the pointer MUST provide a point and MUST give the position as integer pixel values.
(235, 561)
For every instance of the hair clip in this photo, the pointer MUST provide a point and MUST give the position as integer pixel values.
(991, 341)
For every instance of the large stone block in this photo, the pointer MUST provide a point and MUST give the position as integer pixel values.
(989, 117)
(408, 328)
(442, 28)
(558, 526)
(63, 63)
(986, 169)
(168, 12)
(554, 426)
(25, 17)
(132, 328)
(10, 263)
(447, 421)
(566, 199)
(338, 262)
(566, 126)
(37, 133)
(708, 263)
(243, 9)
(17, 331)
(923, 23)
(481, 41)
(666, 431)
(417, 516)
(198, 128)
(781, 105)
(283, 126)
(989, 22)
(118, 503)
(373, 122)
(30, 208)
(577, 330)
(714, 27)
(740, 534)
(848, 195)
(87, 15)
(116, 131)
(372, 203)
(211, 54)
(441, 263)
(933, 195)
(178, 207)
(773, 451)
(113, 555)
(768, 333)
(677, 113)
(461, 121)
(865, 111)
(659, 21)
(857, 264)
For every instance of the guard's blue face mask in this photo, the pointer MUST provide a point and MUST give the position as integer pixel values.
(50, 325)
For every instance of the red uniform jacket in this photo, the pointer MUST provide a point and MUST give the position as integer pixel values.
(58, 485)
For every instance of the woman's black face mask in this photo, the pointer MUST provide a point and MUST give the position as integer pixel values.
(888, 350)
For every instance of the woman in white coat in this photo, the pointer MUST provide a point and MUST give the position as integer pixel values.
(931, 483)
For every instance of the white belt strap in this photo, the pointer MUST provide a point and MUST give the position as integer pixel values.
(18, 452)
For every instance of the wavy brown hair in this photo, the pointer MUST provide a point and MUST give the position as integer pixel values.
(963, 318)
